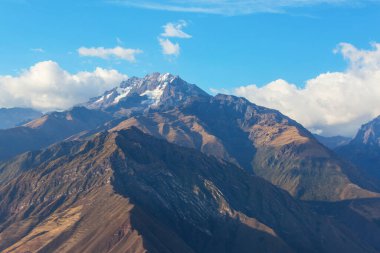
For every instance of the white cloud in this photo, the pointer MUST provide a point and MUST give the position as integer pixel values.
(331, 103)
(46, 86)
(175, 30)
(127, 54)
(168, 47)
(233, 7)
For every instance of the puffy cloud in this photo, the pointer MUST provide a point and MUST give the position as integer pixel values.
(233, 7)
(127, 54)
(172, 30)
(175, 30)
(331, 103)
(46, 86)
(168, 47)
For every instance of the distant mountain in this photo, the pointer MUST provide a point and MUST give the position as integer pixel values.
(49, 129)
(369, 134)
(129, 192)
(12, 117)
(364, 150)
(333, 142)
(260, 140)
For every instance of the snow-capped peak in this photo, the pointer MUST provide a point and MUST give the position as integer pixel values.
(156, 94)
(167, 77)
(151, 91)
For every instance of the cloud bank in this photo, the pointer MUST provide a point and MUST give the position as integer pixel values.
(46, 86)
(331, 103)
(127, 54)
(232, 7)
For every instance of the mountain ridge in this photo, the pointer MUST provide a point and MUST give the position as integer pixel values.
(333, 142)
(262, 141)
(262, 131)
(148, 191)
(153, 91)
(193, 173)
(12, 117)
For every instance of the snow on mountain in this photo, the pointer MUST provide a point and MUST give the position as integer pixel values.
(151, 91)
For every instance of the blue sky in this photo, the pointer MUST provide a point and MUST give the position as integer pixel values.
(280, 47)
(224, 50)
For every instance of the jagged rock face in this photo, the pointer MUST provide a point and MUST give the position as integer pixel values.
(129, 192)
(364, 151)
(12, 117)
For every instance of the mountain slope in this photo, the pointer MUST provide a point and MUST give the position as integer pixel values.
(12, 117)
(260, 140)
(155, 91)
(362, 216)
(48, 129)
(364, 151)
(154, 196)
(332, 142)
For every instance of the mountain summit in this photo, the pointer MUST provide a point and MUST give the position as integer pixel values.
(130, 192)
(153, 91)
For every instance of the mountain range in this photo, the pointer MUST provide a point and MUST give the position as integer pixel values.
(12, 117)
(159, 165)
(333, 142)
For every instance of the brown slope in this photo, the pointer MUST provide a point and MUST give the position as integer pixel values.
(362, 216)
(258, 139)
(48, 129)
(128, 192)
